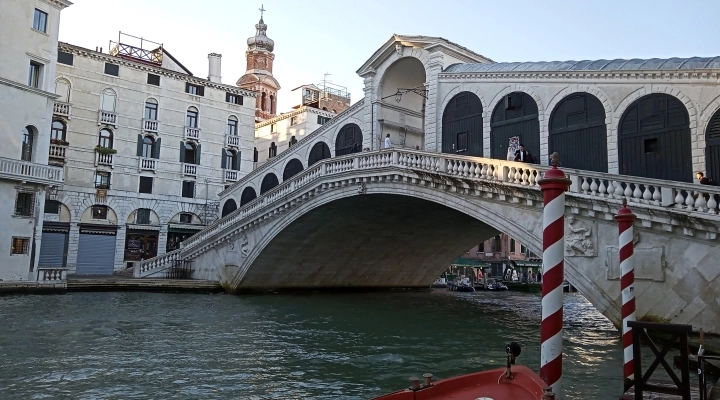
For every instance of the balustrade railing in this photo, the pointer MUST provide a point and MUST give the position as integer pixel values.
(231, 175)
(107, 117)
(147, 164)
(62, 109)
(232, 140)
(192, 133)
(47, 274)
(31, 172)
(150, 125)
(156, 264)
(103, 159)
(57, 151)
(189, 169)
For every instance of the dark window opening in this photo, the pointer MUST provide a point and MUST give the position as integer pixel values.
(146, 184)
(58, 130)
(234, 98)
(142, 216)
(232, 126)
(188, 189)
(153, 79)
(102, 180)
(191, 119)
(52, 207)
(651, 146)
(20, 245)
(185, 218)
(195, 89)
(255, 154)
(34, 74)
(25, 204)
(112, 69)
(272, 151)
(322, 120)
(27, 144)
(461, 143)
(99, 212)
(65, 58)
(40, 21)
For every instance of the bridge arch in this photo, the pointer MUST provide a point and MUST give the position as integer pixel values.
(578, 131)
(248, 195)
(269, 181)
(292, 168)
(229, 206)
(348, 140)
(462, 125)
(516, 115)
(318, 152)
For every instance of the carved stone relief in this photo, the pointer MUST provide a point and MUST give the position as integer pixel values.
(244, 246)
(579, 238)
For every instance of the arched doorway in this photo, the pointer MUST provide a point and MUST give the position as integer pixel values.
(462, 125)
(229, 207)
(248, 195)
(712, 149)
(349, 140)
(402, 103)
(654, 139)
(268, 182)
(319, 151)
(578, 132)
(292, 168)
(515, 117)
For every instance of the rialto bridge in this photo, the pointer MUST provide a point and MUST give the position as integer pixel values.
(313, 218)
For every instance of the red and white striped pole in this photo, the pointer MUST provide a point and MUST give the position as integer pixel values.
(625, 219)
(553, 185)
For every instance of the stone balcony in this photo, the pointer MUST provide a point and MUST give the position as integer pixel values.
(192, 133)
(57, 151)
(232, 140)
(231, 175)
(30, 172)
(104, 159)
(62, 109)
(107, 118)
(150, 125)
(147, 164)
(189, 169)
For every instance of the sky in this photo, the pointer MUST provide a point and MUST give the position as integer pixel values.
(336, 37)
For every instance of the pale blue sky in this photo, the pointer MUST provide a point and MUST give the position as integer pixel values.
(314, 37)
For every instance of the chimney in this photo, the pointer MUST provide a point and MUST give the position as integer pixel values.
(214, 67)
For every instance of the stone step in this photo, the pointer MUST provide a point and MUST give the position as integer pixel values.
(116, 283)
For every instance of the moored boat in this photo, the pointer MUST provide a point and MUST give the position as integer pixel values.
(495, 285)
(460, 284)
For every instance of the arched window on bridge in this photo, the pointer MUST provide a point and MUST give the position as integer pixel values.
(578, 132)
(229, 207)
(318, 152)
(515, 119)
(654, 139)
(462, 125)
(292, 168)
(712, 151)
(268, 182)
(248, 195)
(349, 140)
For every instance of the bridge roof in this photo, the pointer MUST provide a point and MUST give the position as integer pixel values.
(663, 64)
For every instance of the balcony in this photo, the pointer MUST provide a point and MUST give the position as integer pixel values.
(147, 164)
(30, 172)
(150, 125)
(231, 175)
(192, 133)
(61, 109)
(232, 140)
(57, 151)
(107, 118)
(103, 159)
(189, 169)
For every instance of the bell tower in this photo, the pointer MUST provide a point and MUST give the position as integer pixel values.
(258, 75)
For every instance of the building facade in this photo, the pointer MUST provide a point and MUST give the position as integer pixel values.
(28, 44)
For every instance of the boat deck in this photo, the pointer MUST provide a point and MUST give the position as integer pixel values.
(630, 394)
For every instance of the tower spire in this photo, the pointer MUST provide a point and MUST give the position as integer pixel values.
(262, 10)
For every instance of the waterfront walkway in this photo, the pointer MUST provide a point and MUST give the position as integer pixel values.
(111, 283)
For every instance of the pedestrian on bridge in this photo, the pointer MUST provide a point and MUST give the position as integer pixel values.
(523, 155)
(704, 180)
(387, 141)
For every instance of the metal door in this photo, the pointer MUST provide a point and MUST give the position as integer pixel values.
(96, 254)
(515, 116)
(53, 249)
(462, 129)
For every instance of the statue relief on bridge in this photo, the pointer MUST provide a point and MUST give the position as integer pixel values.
(244, 246)
(579, 239)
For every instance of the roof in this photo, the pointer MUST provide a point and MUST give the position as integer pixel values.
(662, 64)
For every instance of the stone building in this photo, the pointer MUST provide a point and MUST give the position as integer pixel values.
(146, 146)
(502, 251)
(28, 45)
(258, 77)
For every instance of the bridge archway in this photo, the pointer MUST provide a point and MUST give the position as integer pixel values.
(516, 117)
(292, 168)
(349, 140)
(319, 151)
(269, 181)
(401, 110)
(654, 139)
(462, 125)
(712, 149)
(229, 207)
(248, 195)
(578, 132)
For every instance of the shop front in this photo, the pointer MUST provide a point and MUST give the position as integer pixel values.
(141, 242)
(177, 233)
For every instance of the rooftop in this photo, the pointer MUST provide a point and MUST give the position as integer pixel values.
(662, 64)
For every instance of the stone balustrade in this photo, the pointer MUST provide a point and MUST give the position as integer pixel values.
(57, 151)
(147, 164)
(232, 140)
(150, 125)
(103, 159)
(61, 109)
(107, 118)
(192, 133)
(231, 175)
(51, 274)
(156, 264)
(30, 172)
(189, 169)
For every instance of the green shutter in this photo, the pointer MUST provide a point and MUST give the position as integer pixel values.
(197, 155)
(182, 151)
(223, 163)
(156, 149)
(236, 162)
(140, 145)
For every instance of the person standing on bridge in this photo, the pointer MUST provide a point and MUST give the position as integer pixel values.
(523, 155)
(704, 180)
(387, 141)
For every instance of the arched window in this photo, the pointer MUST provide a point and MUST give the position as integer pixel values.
(272, 151)
(109, 100)
(151, 109)
(190, 153)
(462, 125)
(231, 160)
(263, 102)
(62, 89)
(232, 126)
(515, 121)
(248, 195)
(148, 147)
(319, 151)
(578, 122)
(58, 131)
(27, 143)
(229, 207)
(349, 140)
(191, 119)
(272, 104)
(293, 141)
(268, 182)
(292, 168)
(106, 138)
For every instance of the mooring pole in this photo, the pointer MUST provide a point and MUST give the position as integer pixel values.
(625, 219)
(553, 185)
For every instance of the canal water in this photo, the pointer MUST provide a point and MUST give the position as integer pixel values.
(283, 346)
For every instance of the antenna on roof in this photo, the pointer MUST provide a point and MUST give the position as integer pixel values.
(325, 82)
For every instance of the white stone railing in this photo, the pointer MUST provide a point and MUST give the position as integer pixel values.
(107, 117)
(147, 164)
(155, 264)
(103, 159)
(62, 109)
(30, 172)
(189, 169)
(232, 140)
(192, 133)
(57, 151)
(231, 175)
(150, 125)
(51, 274)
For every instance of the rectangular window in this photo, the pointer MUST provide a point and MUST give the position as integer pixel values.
(232, 127)
(153, 79)
(102, 180)
(322, 120)
(52, 207)
(188, 189)
(191, 119)
(194, 89)
(65, 58)
(151, 110)
(512, 245)
(35, 74)
(185, 218)
(273, 128)
(481, 247)
(112, 69)
(497, 244)
(99, 212)
(233, 98)
(24, 204)
(146, 184)
(293, 120)
(40, 21)
(142, 216)
(20, 245)
(523, 249)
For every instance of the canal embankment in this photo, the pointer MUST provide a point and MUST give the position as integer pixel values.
(111, 283)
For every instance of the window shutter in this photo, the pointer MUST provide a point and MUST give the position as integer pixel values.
(197, 155)
(223, 163)
(156, 149)
(236, 162)
(182, 151)
(140, 145)
(201, 90)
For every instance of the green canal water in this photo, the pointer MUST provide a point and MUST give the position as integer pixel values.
(283, 346)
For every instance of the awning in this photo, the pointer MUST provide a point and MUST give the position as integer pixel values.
(187, 227)
(523, 263)
(98, 229)
(466, 262)
(49, 226)
(136, 227)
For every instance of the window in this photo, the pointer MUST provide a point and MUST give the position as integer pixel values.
(232, 126)
(234, 98)
(151, 109)
(481, 247)
(153, 79)
(105, 139)
(52, 207)
(148, 147)
(34, 74)
(263, 101)
(273, 128)
(40, 21)
(496, 244)
(142, 216)
(20, 245)
(186, 218)
(188, 189)
(293, 120)
(112, 69)
(322, 120)
(512, 245)
(189, 154)
(65, 58)
(255, 154)
(293, 141)
(523, 249)
(146, 183)
(272, 151)
(57, 131)
(62, 89)
(25, 204)
(230, 160)
(108, 100)
(102, 180)
(27, 143)
(99, 212)
(191, 119)
(194, 89)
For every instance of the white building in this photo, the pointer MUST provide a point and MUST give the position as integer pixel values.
(146, 147)
(28, 45)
